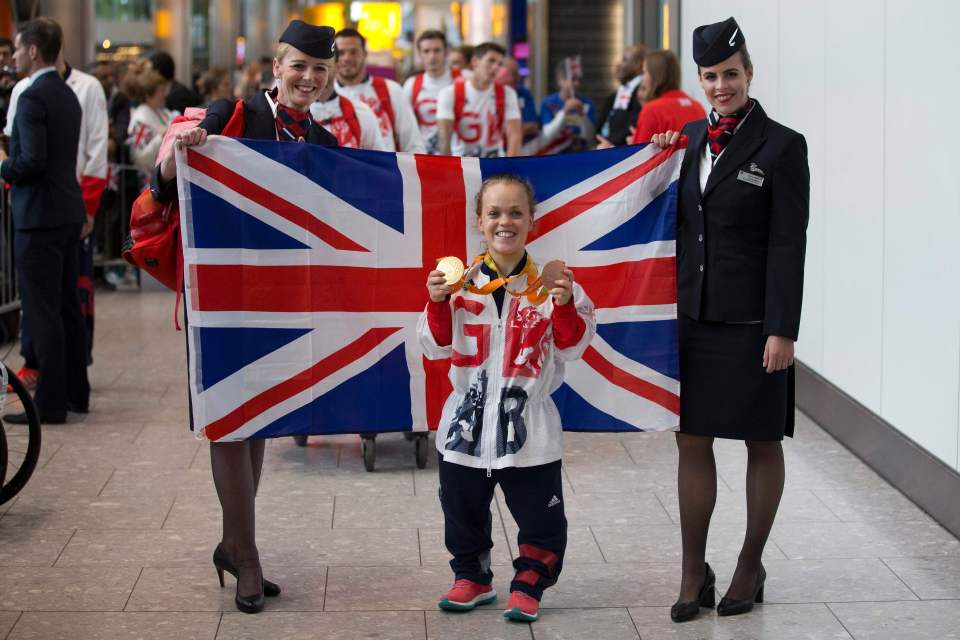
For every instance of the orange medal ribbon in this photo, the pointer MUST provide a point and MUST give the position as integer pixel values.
(534, 293)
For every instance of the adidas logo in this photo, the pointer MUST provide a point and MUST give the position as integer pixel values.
(554, 501)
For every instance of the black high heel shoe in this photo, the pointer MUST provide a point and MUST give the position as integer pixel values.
(683, 611)
(731, 607)
(246, 604)
(223, 563)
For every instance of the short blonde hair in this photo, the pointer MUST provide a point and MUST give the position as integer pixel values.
(147, 84)
(282, 50)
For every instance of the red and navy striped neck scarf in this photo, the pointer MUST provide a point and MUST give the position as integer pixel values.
(291, 124)
(720, 129)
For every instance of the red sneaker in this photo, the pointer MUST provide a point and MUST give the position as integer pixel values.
(28, 377)
(466, 595)
(522, 607)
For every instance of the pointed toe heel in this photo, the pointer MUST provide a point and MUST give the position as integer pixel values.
(731, 607)
(684, 611)
(249, 605)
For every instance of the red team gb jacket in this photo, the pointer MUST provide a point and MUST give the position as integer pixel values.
(503, 370)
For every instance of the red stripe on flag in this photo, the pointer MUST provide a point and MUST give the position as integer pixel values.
(651, 281)
(300, 382)
(578, 205)
(444, 200)
(630, 382)
(283, 208)
(313, 288)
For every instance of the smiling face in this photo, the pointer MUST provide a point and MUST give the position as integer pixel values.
(301, 78)
(505, 220)
(726, 84)
(351, 60)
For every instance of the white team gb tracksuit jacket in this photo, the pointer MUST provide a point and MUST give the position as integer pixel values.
(503, 370)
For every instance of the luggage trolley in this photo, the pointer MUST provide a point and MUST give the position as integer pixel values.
(368, 447)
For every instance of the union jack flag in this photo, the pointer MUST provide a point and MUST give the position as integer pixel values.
(305, 270)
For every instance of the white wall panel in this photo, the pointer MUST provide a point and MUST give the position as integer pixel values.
(801, 80)
(921, 304)
(853, 200)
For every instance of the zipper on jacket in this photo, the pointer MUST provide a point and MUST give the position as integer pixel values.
(492, 438)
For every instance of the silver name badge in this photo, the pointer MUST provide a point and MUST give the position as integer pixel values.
(750, 178)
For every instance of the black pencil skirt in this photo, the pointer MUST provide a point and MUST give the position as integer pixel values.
(724, 390)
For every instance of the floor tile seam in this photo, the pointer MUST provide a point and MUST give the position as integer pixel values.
(819, 499)
(902, 581)
(426, 633)
(216, 632)
(865, 557)
(839, 621)
(627, 449)
(13, 626)
(193, 458)
(333, 514)
(419, 548)
(656, 495)
(109, 478)
(63, 548)
(326, 584)
(169, 511)
(771, 540)
(55, 452)
(125, 612)
(132, 589)
(636, 627)
(597, 542)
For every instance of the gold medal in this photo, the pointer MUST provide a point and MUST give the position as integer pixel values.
(452, 268)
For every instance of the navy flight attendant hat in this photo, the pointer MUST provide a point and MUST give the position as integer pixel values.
(312, 40)
(714, 43)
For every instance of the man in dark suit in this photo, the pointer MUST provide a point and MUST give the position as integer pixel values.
(48, 214)
(180, 96)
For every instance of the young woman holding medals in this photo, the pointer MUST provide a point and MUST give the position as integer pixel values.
(507, 331)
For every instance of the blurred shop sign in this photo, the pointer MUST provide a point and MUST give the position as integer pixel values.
(331, 14)
(379, 22)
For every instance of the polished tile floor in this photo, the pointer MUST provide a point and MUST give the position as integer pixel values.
(112, 537)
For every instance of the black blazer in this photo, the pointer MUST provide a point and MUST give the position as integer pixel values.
(42, 167)
(741, 243)
(259, 123)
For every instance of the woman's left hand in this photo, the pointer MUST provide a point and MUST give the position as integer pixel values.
(777, 354)
(562, 290)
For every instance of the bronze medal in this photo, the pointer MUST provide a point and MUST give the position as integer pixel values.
(551, 272)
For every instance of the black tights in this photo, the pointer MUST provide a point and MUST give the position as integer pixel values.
(236, 473)
(697, 486)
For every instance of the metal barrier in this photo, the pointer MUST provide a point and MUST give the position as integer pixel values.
(9, 295)
(113, 217)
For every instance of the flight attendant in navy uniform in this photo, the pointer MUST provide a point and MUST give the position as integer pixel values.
(744, 195)
(302, 66)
